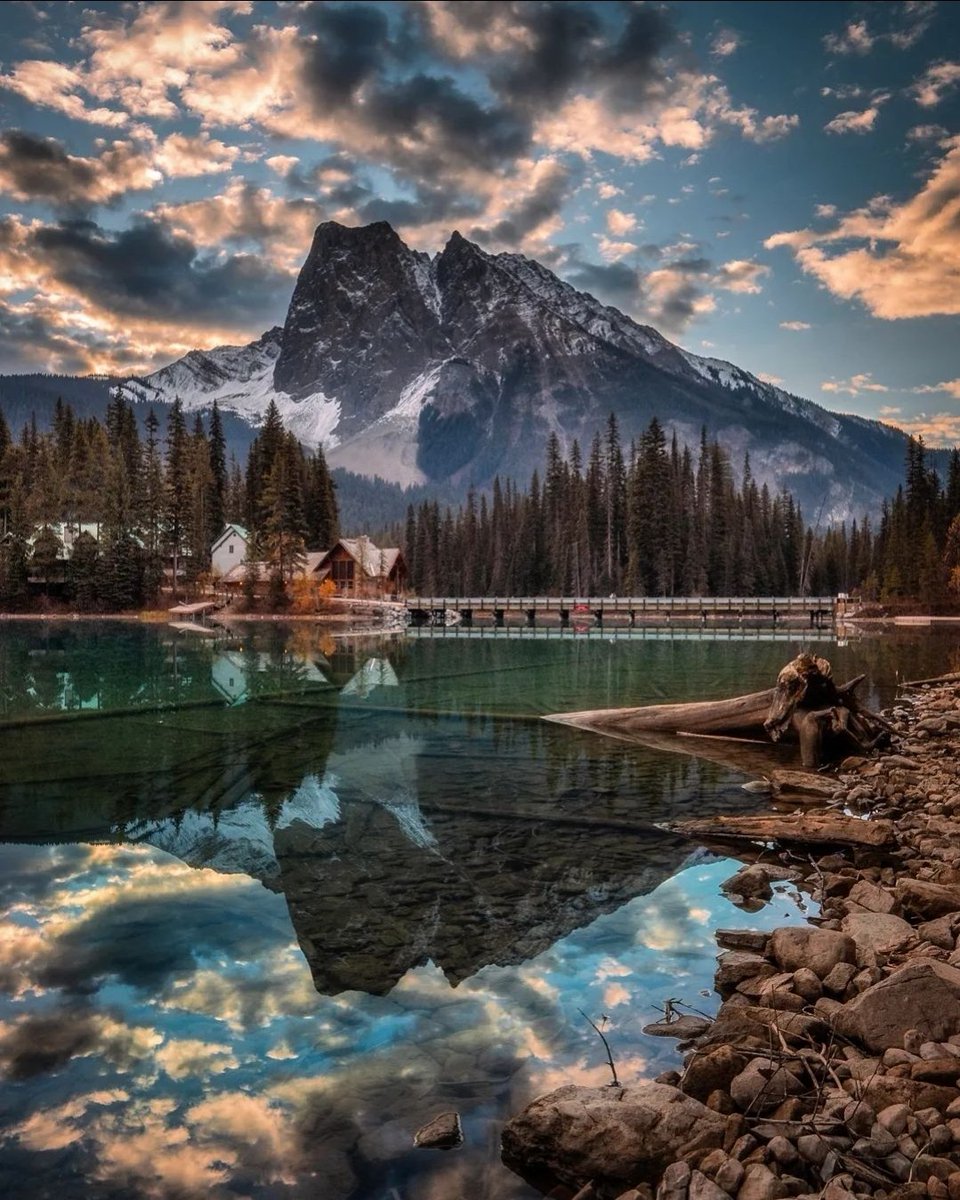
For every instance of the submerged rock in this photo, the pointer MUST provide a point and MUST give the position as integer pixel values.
(444, 1132)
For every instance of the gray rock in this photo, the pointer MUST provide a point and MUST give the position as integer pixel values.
(683, 1029)
(702, 1188)
(922, 995)
(940, 932)
(444, 1132)
(798, 946)
(710, 1070)
(882, 1141)
(839, 979)
(613, 1136)
(735, 966)
(806, 983)
(872, 898)
(873, 931)
(760, 1183)
(927, 899)
(730, 1176)
(751, 882)
(894, 1118)
(762, 1085)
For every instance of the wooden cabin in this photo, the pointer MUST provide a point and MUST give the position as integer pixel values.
(359, 568)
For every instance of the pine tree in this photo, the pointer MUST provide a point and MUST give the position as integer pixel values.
(176, 489)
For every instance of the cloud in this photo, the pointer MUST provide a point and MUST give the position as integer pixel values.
(853, 386)
(773, 380)
(619, 222)
(54, 85)
(606, 191)
(282, 164)
(861, 121)
(917, 17)
(37, 168)
(855, 38)
(725, 42)
(182, 1058)
(188, 155)
(676, 290)
(940, 429)
(795, 326)
(825, 210)
(934, 84)
(611, 250)
(149, 270)
(280, 227)
(742, 276)
(926, 133)
(899, 259)
(949, 387)
(905, 23)
(525, 209)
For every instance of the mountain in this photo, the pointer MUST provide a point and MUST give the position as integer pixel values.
(445, 371)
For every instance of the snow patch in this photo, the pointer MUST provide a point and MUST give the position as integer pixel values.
(240, 380)
(388, 447)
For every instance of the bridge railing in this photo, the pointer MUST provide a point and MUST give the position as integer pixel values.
(626, 603)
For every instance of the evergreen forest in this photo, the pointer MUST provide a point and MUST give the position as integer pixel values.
(651, 518)
(655, 519)
(144, 512)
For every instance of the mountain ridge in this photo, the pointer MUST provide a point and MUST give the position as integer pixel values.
(453, 368)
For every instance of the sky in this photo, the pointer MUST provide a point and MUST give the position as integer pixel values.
(777, 184)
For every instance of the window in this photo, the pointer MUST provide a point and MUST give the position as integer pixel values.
(231, 547)
(342, 572)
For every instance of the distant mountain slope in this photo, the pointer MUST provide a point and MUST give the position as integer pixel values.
(443, 372)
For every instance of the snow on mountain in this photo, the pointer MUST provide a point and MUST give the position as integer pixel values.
(240, 840)
(456, 368)
(240, 380)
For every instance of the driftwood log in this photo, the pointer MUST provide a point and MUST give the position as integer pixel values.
(807, 701)
(806, 704)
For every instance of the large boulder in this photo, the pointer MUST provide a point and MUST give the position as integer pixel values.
(923, 995)
(796, 946)
(616, 1136)
(927, 899)
(873, 931)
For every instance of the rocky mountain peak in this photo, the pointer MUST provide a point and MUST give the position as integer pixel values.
(459, 367)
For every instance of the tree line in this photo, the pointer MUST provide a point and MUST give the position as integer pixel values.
(657, 519)
(145, 510)
(651, 518)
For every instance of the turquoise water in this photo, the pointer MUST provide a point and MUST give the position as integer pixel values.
(271, 901)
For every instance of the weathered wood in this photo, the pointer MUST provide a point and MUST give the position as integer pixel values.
(737, 714)
(827, 828)
(950, 677)
(804, 782)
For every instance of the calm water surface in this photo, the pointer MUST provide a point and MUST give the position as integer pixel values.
(270, 901)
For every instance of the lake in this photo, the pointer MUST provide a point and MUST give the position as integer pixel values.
(272, 900)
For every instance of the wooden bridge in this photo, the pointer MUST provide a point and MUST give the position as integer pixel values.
(573, 611)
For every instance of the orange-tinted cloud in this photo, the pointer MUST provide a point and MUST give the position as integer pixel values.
(899, 259)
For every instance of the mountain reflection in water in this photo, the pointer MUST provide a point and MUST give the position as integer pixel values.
(279, 900)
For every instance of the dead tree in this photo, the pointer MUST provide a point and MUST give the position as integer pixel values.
(808, 701)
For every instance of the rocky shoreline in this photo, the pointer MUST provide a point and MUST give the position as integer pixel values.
(832, 1068)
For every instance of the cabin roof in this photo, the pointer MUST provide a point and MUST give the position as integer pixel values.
(375, 561)
(227, 530)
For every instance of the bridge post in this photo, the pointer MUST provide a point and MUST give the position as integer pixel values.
(531, 617)
(599, 615)
(498, 615)
(564, 618)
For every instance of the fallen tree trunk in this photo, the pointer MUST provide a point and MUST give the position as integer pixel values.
(827, 828)
(742, 715)
(805, 704)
